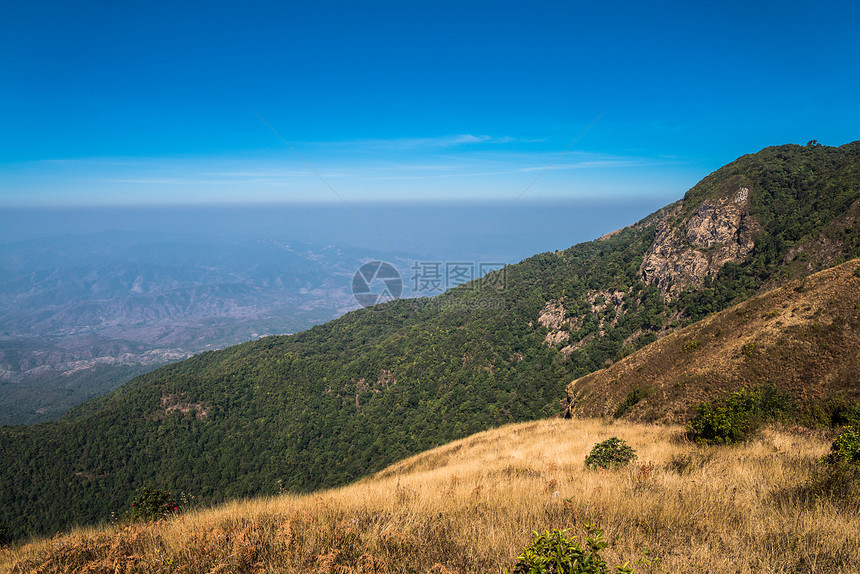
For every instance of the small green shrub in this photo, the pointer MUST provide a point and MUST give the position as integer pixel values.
(838, 477)
(691, 345)
(611, 453)
(749, 350)
(845, 449)
(554, 552)
(846, 413)
(833, 411)
(736, 416)
(153, 504)
(715, 424)
(635, 395)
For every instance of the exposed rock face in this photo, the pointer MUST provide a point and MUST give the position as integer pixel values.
(721, 231)
(553, 317)
(386, 379)
(559, 326)
(174, 403)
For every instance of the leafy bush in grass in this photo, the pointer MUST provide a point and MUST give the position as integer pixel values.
(611, 453)
(846, 413)
(736, 416)
(153, 504)
(835, 411)
(845, 449)
(557, 553)
(838, 478)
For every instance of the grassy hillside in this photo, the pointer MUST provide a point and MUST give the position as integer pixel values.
(803, 338)
(343, 400)
(471, 507)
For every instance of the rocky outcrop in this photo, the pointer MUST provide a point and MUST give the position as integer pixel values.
(174, 403)
(553, 316)
(721, 231)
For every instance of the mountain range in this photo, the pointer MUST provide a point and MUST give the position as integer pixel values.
(341, 400)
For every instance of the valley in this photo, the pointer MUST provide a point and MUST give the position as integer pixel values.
(82, 314)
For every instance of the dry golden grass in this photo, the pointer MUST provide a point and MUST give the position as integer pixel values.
(471, 506)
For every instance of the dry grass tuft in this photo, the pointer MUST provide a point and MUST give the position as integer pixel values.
(471, 506)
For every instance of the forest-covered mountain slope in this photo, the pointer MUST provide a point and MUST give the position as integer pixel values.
(344, 399)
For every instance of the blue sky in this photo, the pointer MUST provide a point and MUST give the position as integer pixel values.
(192, 102)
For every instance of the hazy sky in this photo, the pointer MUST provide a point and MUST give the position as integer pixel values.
(185, 102)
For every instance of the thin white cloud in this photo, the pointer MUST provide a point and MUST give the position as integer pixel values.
(600, 164)
(258, 173)
(418, 143)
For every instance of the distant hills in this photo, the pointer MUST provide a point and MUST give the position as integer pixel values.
(81, 314)
(341, 400)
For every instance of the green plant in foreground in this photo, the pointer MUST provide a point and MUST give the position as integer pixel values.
(554, 552)
(153, 504)
(611, 453)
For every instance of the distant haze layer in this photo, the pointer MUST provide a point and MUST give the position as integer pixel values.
(503, 231)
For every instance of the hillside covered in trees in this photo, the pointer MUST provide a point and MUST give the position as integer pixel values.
(342, 400)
